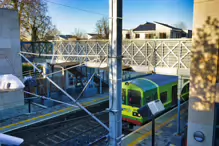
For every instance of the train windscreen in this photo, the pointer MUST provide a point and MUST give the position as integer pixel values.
(134, 98)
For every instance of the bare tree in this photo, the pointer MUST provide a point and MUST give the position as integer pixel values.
(34, 22)
(79, 33)
(181, 25)
(102, 28)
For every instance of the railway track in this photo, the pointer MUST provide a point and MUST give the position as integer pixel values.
(72, 129)
(80, 132)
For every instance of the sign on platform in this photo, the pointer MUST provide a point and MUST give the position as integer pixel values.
(156, 106)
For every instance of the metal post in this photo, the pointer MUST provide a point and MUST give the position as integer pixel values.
(46, 68)
(52, 69)
(153, 130)
(35, 76)
(115, 73)
(29, 105)
(101, 74)
(179, 95)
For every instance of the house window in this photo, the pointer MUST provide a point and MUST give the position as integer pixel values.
(134, 98)
(163, 35)
(127, 36)
(149, 36)
(163, 97)
(178, 35)
(137, 35)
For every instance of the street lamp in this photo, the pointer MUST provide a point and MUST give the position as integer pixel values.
(10, 83)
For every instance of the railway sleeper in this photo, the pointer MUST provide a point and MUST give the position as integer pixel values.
(41, 143)
(52, 140)
(59, 137)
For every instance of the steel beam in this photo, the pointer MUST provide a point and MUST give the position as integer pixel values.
(115, 72)
(179, 95)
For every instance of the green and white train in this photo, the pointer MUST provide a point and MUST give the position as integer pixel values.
(138, 92)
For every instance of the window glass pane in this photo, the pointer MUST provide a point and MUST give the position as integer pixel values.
(163, 97)
(134, 98)
(151, 97)
(123, 96)
(137, 35)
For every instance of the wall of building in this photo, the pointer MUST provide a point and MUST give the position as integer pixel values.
(203, 72)
(163, 29)
(10, 61)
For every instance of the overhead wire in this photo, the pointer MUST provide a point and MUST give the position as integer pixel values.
(80, 9)
(69, 96)
(82, 64)
(43, 97)
(89, 81)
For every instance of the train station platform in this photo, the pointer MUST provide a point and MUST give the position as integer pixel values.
(22, 120)
(165, 127)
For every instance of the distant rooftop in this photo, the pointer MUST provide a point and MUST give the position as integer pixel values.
(168, 25)
(145, 27)
(92, 34)
(152, 26)
(67, 36)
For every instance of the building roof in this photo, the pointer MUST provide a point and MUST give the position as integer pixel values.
(148, 26)
(168, 25)
(92, 34)
(145, 27)
(152, 81)
(67, 36)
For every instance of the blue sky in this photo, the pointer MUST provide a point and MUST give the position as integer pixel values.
(135, 12)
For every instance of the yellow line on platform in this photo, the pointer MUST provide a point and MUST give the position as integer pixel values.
(50, 114)
(140, 139)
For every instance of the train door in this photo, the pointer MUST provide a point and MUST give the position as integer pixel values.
(124, 96)
(174, 95)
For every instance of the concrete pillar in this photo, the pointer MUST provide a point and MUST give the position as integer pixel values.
(10, 61)
(204, 71)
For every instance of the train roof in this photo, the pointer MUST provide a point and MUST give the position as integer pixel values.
(152, 81)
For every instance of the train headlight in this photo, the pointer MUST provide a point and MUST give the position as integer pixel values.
(136, 114)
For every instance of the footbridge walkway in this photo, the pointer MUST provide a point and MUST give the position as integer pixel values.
(162, 56)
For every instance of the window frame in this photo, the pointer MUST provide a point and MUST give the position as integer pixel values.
(162, 34)
(166, 94)
(137, 35)
(140, 101)
(129, 36)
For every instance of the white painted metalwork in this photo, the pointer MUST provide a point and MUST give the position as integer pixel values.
(167, 53)
(158, 55)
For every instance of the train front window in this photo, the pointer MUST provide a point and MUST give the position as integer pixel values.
(134, 98)
(123, 96)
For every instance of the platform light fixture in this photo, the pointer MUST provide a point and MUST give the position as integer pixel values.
(199, 136)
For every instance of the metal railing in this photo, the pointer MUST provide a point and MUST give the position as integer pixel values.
(168, 53)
